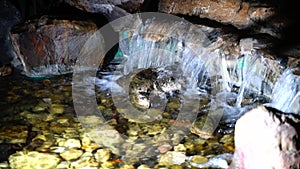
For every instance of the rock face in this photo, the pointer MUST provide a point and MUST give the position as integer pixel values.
(111, 9)
(236, 12)
(50, 46)
(266, 138)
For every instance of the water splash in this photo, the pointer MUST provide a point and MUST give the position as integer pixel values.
(286, 93)
(252, 74)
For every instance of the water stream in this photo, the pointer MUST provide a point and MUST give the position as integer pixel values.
(176, 73)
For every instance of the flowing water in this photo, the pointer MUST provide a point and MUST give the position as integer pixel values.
(167, 76)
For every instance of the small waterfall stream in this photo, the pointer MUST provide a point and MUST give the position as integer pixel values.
(151, 44)
(189, 67)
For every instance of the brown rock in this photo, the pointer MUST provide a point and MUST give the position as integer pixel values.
(235, 12)
(265, 139)
(46, 42)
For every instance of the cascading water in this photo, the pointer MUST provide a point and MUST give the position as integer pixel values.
(286, 93)
(175, 49)
(251, 75)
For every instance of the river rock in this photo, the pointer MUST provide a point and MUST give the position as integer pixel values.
(50, 46)
(34, 159)
(71, 154)
(171, 158)
(266, 138)
(13, 134)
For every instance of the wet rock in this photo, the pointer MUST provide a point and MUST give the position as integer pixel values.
(111, 9)
(102, 155)
(71, 154)
(236, 12)
(70, 143)
(271, 143)
(85, 161)
(164, 148)
(199, 159)
(171, 158)
(50, 46)
(56, 109)
(6, 70)
(219, 161)
(227, 139)
(33, 159)
(13, 134)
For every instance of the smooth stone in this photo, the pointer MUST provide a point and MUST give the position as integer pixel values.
(56, 149)
(127, 166)
(143, 166)
(179, 147)
(164, 148)
(102, 155)
(14, 134)
(62, 165)
(71, 154)
(4, 165)
(70, 143)
(107, 165)
(85, 161)
(172, 158)
(33, 159)
(56, 109)
(227, 139)
(199, 159)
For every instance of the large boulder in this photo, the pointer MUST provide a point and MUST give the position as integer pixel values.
(241, 14)
(50, 46)
(266, 138)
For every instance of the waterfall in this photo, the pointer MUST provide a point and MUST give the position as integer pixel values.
(286, 93)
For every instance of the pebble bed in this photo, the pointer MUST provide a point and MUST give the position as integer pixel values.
(39, 129)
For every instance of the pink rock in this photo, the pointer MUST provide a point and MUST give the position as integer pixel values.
(266, 139)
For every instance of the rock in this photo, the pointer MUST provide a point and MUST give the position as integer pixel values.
(50, 46)
(219, 161)
(236, 12)
(56, 109)
(70, 143)
(71, 154)
(143, 166)
(33, 159)
(6, 70)
(102, 155)
(266, 138)
(198, 159)
(16, 134)
(85, 161)
(164, 148)
(111, 9)
(171, 158)
(9, 16)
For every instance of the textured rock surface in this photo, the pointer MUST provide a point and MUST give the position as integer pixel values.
(111, 9)
(266, 139)
(49, 42)
(33, 159)
(236, 12)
